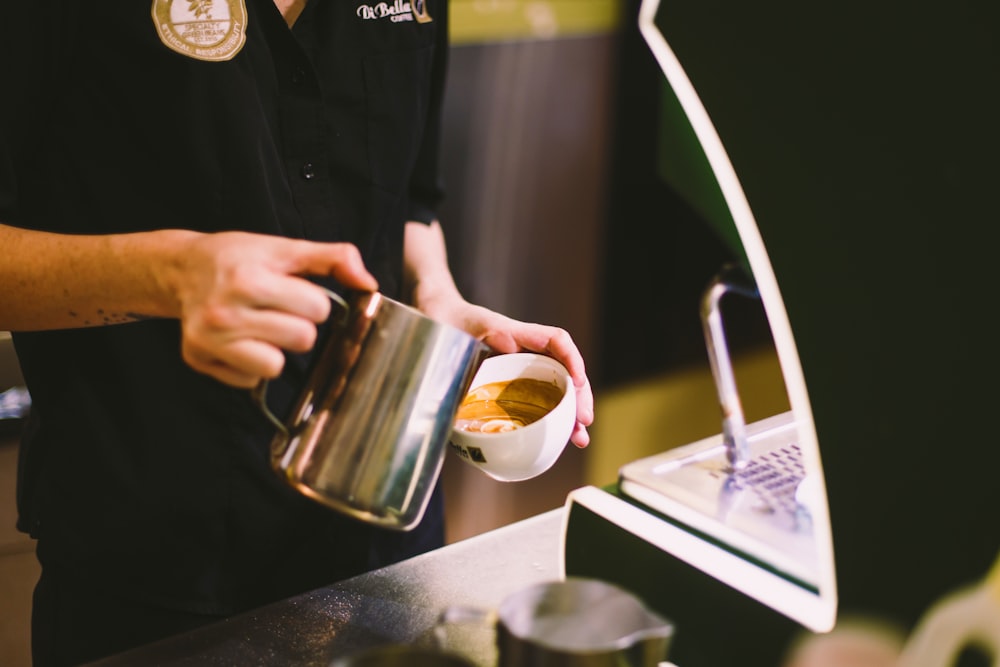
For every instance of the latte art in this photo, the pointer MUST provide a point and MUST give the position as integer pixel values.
(499, 407)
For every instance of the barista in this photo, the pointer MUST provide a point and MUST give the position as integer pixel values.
(172, 182)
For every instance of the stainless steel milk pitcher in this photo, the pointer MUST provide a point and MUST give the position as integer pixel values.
(367, 436)
(580, 622)
(573, 622)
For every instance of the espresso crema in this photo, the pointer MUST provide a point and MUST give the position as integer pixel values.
(499, 407)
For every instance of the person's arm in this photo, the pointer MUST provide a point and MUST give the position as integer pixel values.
(432, 289)
(241, 298)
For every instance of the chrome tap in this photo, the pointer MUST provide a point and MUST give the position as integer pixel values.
(732, 279)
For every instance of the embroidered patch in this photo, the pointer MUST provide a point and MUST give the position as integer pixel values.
(210, 30)
(396, 11)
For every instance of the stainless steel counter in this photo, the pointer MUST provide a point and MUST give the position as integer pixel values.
(399, 604)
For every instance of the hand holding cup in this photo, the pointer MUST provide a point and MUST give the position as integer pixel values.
(517, 418)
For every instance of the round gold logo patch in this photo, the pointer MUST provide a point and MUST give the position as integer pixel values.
(202, 29)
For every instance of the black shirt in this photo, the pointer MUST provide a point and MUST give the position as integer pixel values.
(138, 471)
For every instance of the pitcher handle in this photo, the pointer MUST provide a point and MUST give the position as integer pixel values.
(259, 393)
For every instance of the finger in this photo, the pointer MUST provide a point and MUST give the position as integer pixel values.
(340, 260)
(253, 358)
(270, 327)
(290, 294)
(288, 332)
(584, 415)
(554, 342)
(585, 404)
(561, 346)
(240, 363)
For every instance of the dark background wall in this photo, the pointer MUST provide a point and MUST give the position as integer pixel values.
(865, 137)
(557, 212)
(659, 252)
(528, 133)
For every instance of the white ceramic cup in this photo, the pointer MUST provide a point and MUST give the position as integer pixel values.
(528, 451)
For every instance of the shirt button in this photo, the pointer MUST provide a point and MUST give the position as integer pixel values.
(308, 171)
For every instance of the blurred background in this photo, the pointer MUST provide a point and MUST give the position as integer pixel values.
(556, 213)
(865, 136)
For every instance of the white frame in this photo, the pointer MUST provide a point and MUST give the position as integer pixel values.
(822, 616)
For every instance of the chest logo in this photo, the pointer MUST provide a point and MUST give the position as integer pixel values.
(396, 11)
(211, 30)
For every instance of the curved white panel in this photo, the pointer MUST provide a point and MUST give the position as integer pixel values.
(821, 616)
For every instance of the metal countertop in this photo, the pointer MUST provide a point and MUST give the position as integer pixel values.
(399, 604)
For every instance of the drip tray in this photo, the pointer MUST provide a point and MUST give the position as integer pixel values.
(757, 512)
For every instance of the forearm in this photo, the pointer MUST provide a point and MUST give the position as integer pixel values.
(50, 281)
(427, 276)
(242, 299)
